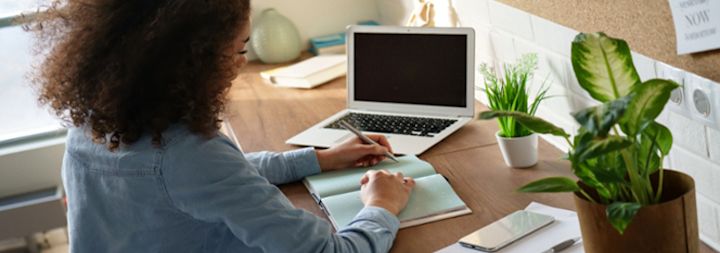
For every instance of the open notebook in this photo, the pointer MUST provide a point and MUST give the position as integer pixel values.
(338, 193)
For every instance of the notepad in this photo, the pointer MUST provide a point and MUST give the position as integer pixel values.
(566, 226)
(432, 199)
(309, 73)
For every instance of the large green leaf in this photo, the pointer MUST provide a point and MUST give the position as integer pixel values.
(620, 214)
(659, 134)
(535, 124)
(551, 184)
(598, 120)
(648, 101)
(603, 66)
(590, 162)
(599, 147)
(609, 168)
(648, 160)
(584, 172)
(655, 142)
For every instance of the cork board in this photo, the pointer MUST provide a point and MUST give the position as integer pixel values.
(646, 25)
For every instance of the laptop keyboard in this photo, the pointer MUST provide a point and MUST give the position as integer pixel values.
(416, 126)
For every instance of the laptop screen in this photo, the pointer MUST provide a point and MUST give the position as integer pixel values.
(422, 69)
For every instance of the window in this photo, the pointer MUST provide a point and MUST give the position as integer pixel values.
(14, 8)
(20, 114)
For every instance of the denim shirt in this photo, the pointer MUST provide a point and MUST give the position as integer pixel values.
(197, 194)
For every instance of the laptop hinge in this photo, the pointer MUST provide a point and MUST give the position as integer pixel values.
(391, 112)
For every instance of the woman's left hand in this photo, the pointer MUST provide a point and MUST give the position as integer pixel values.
(354, 153)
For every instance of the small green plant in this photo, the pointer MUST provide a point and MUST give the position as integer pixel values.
(509, 93)
(617, 167)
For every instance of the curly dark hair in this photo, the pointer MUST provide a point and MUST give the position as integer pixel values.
(125, 68)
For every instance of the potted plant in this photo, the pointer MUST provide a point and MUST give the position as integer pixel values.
(510, 92)
(626, 201)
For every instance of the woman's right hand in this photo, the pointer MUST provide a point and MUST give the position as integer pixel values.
(380, 188)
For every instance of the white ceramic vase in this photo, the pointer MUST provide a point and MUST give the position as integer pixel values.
(274, 38)
(519, 152)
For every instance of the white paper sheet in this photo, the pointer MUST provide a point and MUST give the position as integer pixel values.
(697, 25)
(566, 226)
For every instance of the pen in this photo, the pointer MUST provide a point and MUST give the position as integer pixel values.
(563, 245)
(365, 138)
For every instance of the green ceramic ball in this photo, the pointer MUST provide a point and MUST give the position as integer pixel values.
(274, 38)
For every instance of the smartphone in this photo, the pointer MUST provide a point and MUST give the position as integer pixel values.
(502, 232)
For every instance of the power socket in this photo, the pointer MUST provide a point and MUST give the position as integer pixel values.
(701, 100)
(678, 98)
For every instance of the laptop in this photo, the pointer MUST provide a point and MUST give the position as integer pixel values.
(414, 85)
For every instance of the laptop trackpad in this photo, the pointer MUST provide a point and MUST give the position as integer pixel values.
(351, 135)
(344, 138)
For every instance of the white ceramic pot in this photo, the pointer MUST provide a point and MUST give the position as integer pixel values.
(519, 152)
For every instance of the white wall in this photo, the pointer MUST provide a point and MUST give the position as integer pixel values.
(394, 12)
(503, 33)
(319, 17)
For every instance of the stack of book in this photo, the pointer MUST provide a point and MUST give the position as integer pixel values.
(332, 43)
(308, 73)
(328, 44)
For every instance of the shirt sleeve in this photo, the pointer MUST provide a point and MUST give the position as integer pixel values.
(211, 181)
(285, 167)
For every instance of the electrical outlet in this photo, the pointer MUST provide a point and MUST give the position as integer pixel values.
(701, 100)
(678, 97)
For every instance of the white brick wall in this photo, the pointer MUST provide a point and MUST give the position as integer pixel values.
(705, 173)
(688, 134)
(713, 140)
(645, 66)
(503, 47)
(509, 19)
(708, 214)
(697, 144)
(552, 36)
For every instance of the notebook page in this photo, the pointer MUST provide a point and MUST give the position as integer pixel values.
(342, 181)
(431, 196)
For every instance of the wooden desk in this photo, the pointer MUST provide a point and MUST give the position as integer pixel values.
(263, 117)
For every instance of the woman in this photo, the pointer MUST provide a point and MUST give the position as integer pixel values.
(143, 84)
